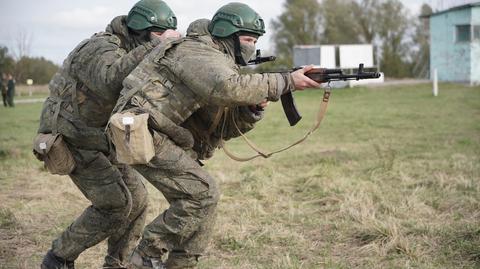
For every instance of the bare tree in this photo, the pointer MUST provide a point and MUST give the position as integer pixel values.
(23, 44)
(21, 50)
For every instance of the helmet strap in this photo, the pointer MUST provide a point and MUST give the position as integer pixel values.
(238, 53)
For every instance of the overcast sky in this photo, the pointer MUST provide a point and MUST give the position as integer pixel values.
(56, 26)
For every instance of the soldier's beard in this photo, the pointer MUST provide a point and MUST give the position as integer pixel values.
(141, 37)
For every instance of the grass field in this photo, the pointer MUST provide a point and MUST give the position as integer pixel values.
(390, 180)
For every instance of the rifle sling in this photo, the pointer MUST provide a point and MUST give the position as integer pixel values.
(216, 120)
(266, 154)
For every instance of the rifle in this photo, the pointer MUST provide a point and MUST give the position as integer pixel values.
(320, 75)
(259, 59)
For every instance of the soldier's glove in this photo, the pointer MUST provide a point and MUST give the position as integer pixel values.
(251, 114)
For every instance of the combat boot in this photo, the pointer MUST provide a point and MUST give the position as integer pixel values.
(181, 260)
(51, 261)
(139, 261)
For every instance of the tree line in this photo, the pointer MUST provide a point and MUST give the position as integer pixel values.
(39, 69)
(401, 39)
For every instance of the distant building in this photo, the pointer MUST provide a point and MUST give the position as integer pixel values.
(337, 56)
(334, 56)
(455, 44)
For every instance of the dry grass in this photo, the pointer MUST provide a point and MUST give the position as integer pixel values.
(391, 180)
(25, 90)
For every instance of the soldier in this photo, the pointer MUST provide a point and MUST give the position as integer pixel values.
(10, 90)
(3, 89)
(82, 95)
(184, 86)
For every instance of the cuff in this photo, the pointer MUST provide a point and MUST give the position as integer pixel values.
(152, 44)
(284, 84)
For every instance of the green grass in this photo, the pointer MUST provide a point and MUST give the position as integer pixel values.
(390, 180)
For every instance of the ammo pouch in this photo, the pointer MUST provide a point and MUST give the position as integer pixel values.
(52, 150)
(132, 138)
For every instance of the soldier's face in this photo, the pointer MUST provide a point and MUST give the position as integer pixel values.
(247, 48)
(247, 40)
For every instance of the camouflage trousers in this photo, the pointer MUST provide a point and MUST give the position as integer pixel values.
(183, 230)
(117, 212)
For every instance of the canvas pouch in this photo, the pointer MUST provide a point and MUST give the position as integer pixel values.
(52, 150)
(132, 139)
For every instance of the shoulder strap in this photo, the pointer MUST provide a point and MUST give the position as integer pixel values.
(216, 120)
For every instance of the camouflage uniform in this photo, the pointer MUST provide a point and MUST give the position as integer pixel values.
(185, 83)
(11, 91)
(82, 96)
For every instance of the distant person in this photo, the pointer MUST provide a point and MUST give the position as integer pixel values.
(82, 95)
(10, 90)
(3, 89)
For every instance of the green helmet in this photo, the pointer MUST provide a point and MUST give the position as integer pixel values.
(236, 17)
(154, 14)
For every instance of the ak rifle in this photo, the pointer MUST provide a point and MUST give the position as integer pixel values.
(320, 75)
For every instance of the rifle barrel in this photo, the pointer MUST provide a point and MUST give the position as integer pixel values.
(260, 60)
(326, 77)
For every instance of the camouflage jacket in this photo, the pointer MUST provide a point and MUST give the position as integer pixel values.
(190, 79)
(89, 83)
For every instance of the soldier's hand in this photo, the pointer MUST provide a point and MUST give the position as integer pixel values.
(166, 34)
(301, 81)
(259, 107)
(264, 104)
